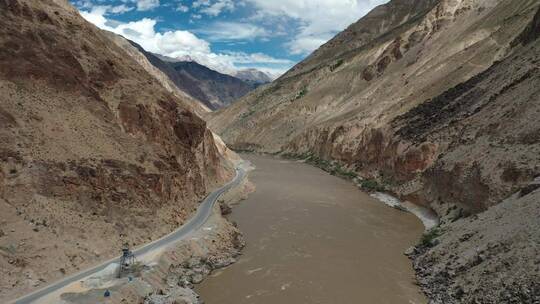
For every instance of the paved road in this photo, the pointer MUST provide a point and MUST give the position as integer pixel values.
(203, 213)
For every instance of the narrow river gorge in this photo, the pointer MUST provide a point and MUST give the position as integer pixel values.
(315, 238)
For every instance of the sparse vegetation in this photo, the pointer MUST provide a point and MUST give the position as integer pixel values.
(331, 167)
(336, 65)
(429, 238)
(372, 185)
(335, 168)
(247, 114)
(243, 150)
(301, 93)
(340, 171)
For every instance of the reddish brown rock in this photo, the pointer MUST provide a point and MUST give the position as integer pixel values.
(95, 152)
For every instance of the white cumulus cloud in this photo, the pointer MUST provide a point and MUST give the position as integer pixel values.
(216, 8)
(319, 20)
(182, 8)
(229, 31)
(145, 5)
(180, 43)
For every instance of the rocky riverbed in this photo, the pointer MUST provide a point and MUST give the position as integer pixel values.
(492, 257)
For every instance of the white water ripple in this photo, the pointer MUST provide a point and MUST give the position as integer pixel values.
(427, 216)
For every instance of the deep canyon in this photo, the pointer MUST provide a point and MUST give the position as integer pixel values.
(436, 102)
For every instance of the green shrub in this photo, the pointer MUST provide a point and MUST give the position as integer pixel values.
(429, 238)
(342, 172)
(336, 65)
(328, 166)
(372, 185)
(301, 93)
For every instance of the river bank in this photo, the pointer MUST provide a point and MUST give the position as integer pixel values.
(459, 258)
(462, 260)
(168, 276)
(166, 269)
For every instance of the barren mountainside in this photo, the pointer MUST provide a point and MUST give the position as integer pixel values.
(360, 107)
(214, 89)
(156, 68)
(437, 102)
(94, 150)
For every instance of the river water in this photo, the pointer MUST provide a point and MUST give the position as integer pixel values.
(315, 238)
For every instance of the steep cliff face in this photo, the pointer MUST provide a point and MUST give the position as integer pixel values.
(438, 101)
(490, 132)
(95, 151)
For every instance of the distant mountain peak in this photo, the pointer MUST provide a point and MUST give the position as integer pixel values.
(185, 58)
(252, 75)
(213, 89)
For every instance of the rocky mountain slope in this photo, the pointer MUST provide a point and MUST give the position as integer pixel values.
(215, 90)
(95, 151)
(155, 67)
(436, 101)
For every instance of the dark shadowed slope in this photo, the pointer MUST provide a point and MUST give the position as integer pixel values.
(215, 90)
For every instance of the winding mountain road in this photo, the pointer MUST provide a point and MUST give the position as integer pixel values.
(203, 213)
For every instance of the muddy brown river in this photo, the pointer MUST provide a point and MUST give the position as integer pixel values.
(315, 238)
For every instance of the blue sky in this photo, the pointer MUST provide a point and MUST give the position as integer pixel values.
(228, 35)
